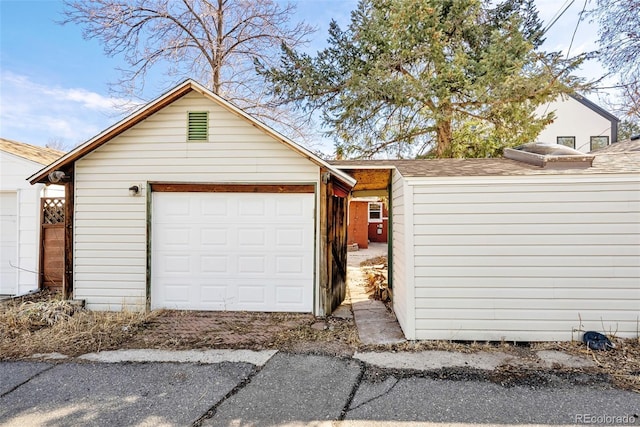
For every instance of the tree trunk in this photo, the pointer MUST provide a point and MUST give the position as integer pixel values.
(443, 135)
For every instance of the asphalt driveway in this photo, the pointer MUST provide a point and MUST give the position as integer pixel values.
(292, 390)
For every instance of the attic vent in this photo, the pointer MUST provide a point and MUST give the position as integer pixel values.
(198, 125)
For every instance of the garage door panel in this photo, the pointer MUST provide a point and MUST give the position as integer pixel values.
(177, 293)
(287, 295)
(252, 208)
(210, 209)
(245, 252)
(251, 237)
(290, 265)
(291, 238)
(211, 236)
(251, 265)
(214, 264)
(8, 242)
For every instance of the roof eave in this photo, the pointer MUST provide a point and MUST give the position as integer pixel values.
(113, 131)
(156, 105)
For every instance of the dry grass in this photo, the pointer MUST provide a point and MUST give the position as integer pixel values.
(49, 324)
(380, 260)
(622, 364)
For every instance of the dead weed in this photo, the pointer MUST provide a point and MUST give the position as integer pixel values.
(622, 363)
(50, 324)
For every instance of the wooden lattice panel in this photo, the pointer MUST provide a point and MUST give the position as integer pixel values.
(53, 211)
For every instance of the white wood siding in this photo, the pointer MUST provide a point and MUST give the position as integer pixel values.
(527, 259)
(110, 241)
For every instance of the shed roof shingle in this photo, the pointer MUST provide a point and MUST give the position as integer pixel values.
(603, 163)
(42, 155)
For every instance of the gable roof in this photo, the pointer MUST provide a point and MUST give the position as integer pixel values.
(594, 107)
(41, 155)
(159, 103)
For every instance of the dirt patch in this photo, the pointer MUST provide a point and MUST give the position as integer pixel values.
(248, 330)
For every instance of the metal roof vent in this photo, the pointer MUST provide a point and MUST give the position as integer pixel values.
(549, 156)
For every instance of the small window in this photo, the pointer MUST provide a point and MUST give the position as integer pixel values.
(599, 142)
(198, 127)
(375, 212)
(567, 141)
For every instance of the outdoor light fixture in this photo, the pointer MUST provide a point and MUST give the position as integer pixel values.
(56, 177)
(134, 190)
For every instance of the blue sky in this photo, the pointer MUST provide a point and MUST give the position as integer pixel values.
(54, 84)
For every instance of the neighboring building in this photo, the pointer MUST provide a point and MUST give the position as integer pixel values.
(580, 124)
(368, 221)
(20, 208)
(499, 249)
(191, 204)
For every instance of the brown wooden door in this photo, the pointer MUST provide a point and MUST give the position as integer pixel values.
(52, 244)
(52, 256)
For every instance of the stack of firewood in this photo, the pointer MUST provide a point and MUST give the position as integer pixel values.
(377, 284)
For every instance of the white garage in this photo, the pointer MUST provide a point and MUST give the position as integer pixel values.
(20, 214)
(191, 204)
(232, 251)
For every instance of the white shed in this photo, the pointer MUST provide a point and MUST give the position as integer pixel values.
(497, 249)
(189, 203)
(20, 214)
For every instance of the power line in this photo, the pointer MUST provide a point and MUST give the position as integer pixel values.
(558, 15)
(575, 30)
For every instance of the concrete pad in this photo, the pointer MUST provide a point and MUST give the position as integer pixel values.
(49, 356)
(376, 326)
(425, 400)
(291, 390)
(12, 374)
(435, 359)
(552, 358)
(141, 394)
(258, 358)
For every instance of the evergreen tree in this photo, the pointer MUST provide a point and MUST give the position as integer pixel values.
(446, 78)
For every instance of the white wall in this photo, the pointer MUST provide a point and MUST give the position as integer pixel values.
(526, 258)
(573, 119)
(110, 240)
(14, 172)
(402, 240)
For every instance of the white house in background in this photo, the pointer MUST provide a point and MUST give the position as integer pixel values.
(579, 124)
(20, 214)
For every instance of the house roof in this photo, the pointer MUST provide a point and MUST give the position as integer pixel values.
(159, 103)
(604, 163)
(628, 146)
(41, 155)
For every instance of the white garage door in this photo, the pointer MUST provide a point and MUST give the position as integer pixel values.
(8, 243)
(232, 251)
